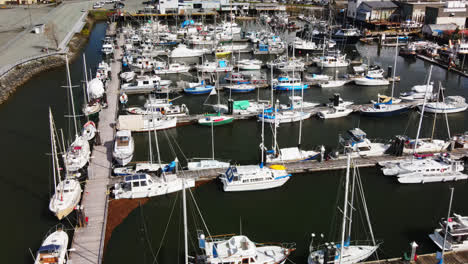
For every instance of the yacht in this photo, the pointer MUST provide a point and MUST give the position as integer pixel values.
(127, 76)
(249, 65)
(333, 83)
(317, 78)
(418, 92)
(292, 65)
(240, 88)
(199, 89)
(357, 141)
(239, 249)
(143, 185)
(253, 177)
(53, 249)
(107, 48)
(66, 197)
(384, 109)
(183, 52)
(456, 236)
(296, 102)
(283, 116)
(290, 154)
(347, 35)
(371, 81)
(141, 123)
(145, 84)
(335, 112)
(216, 66)
(124, 147)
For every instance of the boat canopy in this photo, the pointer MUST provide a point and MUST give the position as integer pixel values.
(241, 105)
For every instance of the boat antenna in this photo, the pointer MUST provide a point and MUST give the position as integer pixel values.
(394, 67)
(446, 226)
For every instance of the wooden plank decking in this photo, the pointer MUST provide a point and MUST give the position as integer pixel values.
(88, 241)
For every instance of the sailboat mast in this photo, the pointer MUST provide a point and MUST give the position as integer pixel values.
(276, 123)
(271, 83)
(184, 204)
(422, 112)
(435, 114)
(212, 140)
(52, 144)
(394, 68)
(85, 91)
(149, 137)
(345, 206)
(263, 135)
(71, 95)
(302, 112)
(351, 204)
(446, 226)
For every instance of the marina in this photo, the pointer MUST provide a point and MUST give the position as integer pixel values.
(279, 158)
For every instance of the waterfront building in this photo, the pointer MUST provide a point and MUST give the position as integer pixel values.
(452, 12)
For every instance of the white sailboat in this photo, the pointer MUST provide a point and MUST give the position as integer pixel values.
(78, 153)
(53, 249)
(344, 251)
(67, 192)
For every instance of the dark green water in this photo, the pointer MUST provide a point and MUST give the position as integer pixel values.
(399, 213)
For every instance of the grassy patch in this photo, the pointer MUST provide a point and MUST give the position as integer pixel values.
(98, 14)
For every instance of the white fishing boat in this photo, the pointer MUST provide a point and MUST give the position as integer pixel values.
(346, 251)
(239, 248)
(249, 65)
(53, 249)
(253, 177)
(334, 112)
(453, 230)
(216, 66)
(143, 185)
(448, 105)
(296, 102)
(333, 62)
(141, 123)
(240, 88)
(181, 51)
(371, 81)
(333, 83)
(172, 68)
(124, 147)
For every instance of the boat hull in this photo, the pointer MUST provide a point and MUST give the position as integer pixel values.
(384, 113)
(255, 186)
(419, 178)
(224, 121)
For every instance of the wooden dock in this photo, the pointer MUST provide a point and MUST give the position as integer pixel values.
(88, 241)
(442, 65)
(459, 257)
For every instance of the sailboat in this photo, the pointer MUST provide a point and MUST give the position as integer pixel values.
(68, 191)
(77, 155)
(344, 252)
(53, 249)
(93, 92)
(202, 164)
(215, 119)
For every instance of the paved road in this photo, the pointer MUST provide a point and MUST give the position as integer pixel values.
(22, 44)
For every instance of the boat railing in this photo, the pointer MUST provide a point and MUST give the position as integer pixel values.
(287, 245)
(351, 243)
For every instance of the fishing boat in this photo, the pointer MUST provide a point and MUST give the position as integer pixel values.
(288, 84)
(334, 112)
(346, 251)
(347, 35)
(215, 120)
(124, 147)
(297, 102)
(333, 62)
(172, 68)
(199, 89)
(332, 83)
(249, 65)
(216, 66)
(371, 81)
(453, 230)
(53, 249)
(317, 78)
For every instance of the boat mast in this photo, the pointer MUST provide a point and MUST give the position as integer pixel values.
(271, 83)
(394, 68)
(345, 206)
(351, 204)
(86, 88)
(435, 114)
(276, 123)
(54, 150)
(446, 226)
(184, 204)
(422, 112)
(212, 139)
(263, 135)
(149, 135)
(71, 95)
(302, 112)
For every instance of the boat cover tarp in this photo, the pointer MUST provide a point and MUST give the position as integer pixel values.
(95, 88)
(49, 248)
(241, 105)
(130, 122)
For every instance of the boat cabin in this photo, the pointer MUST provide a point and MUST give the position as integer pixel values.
(137, 183)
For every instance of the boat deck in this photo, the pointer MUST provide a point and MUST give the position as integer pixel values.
(88, 241)
(449, 258)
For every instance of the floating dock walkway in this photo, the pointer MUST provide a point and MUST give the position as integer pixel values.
(459, 257)
(88, 241)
